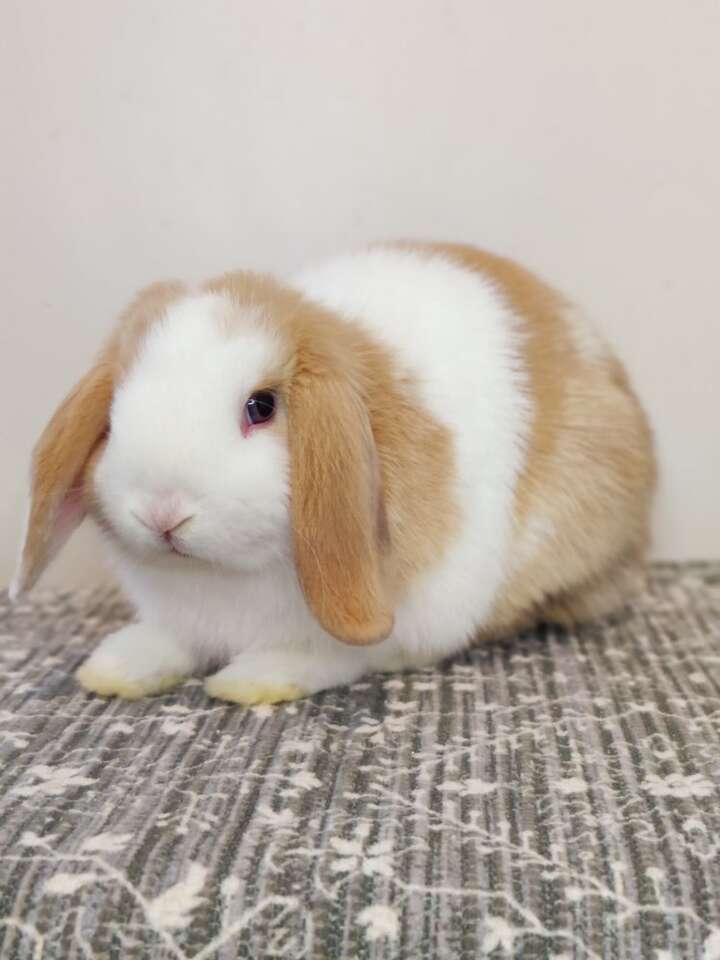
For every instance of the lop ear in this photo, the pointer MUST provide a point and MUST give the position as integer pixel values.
(337, 512)
(72, 440)
(58, 469)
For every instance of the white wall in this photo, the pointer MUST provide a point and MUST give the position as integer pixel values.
(155, 138)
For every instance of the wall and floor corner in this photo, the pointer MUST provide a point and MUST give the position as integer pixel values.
(159, 139)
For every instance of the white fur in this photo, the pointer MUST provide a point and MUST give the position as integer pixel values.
(135, 661)
(175, 432)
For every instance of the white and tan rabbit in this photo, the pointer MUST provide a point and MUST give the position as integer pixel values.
(368, 468)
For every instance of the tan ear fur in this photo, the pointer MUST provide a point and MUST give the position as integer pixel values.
(56, 506)
(74, 437)
(337, 510)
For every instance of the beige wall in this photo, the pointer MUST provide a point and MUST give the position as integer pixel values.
(155, 138)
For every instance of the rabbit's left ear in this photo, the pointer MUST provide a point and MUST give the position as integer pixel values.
(58, 471)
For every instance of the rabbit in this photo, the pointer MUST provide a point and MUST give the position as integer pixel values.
(367, 467)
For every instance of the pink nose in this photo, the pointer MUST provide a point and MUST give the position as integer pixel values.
(164, 520)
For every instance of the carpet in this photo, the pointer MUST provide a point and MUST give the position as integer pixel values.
(556, 796)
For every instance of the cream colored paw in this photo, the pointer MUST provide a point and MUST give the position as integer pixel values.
(108, 684)
(135, 662)
(248, 693)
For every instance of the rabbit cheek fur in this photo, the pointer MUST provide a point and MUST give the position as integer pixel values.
(455, 454)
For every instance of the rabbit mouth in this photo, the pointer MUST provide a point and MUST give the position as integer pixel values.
(177, 549)
(180, 553)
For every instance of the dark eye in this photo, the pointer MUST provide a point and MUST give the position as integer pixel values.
(260, 407)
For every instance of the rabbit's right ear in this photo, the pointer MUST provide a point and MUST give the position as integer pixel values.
(57, 472)
(75, 436)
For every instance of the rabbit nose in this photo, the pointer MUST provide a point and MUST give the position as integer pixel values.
(164, 520)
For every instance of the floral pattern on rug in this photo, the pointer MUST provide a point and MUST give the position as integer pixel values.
(557, 796)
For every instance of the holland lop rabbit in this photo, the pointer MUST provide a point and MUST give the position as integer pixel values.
(367, 468)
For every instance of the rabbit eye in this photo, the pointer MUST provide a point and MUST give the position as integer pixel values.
(260, 407)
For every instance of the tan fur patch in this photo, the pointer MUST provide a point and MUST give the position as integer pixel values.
(57, 468)
(582, 503)
(146, 309)
(372, 473)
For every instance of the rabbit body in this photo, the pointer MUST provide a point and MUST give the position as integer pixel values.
(489, 466)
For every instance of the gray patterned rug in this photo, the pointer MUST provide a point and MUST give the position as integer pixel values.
(555, 797)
